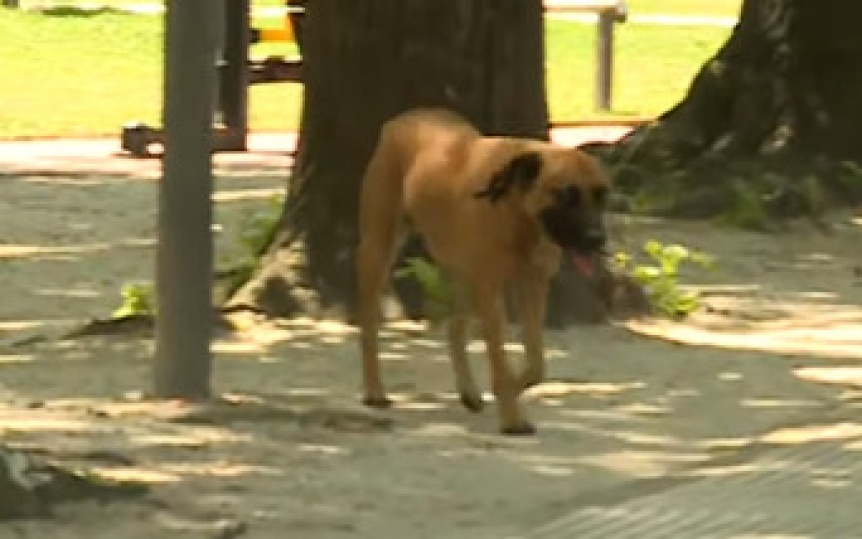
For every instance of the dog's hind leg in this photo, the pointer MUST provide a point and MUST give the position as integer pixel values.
(381, 225)
(375, 257)
(381, 231)
(465, 384)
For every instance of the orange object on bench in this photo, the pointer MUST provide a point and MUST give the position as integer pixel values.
(283, 34)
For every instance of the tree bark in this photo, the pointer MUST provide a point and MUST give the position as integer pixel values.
(365, 62)
(778, 102)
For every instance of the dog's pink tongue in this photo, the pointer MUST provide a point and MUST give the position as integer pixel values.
(584, 263)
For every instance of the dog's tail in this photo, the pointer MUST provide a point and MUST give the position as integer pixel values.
(381, 210)
(381, 230)
(381, 215)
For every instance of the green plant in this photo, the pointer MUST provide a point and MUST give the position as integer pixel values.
(849, 178)
(660, 276)
(657, 194)
(747, 206)
(436, 289)
(814, 195)
(256, 232)
(253, 236)
(852, 169)
(138, 300)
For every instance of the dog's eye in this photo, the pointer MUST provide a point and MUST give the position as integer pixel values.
(569, 196)
(600, 196)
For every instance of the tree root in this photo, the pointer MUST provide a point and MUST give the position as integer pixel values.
(31, 487)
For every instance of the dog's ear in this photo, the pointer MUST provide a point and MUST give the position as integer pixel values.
(520, 172)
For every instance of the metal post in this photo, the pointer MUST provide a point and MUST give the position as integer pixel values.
(185, 248)
(220, 27)
(233, 80)
(604, 60)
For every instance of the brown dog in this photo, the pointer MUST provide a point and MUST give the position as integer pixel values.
(492, 212)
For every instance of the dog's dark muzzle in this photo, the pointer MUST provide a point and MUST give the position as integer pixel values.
(581, 235)
(578, 231)
(593, 240)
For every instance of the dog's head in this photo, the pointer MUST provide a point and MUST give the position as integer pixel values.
(565, 191)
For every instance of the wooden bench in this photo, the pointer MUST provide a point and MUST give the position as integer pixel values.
(609, 12)
(237, 70)
(277, 68)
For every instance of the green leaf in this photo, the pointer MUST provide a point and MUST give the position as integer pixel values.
(653, 248)
(646, 274)
(622, 260)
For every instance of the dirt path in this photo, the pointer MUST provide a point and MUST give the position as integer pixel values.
(295, 456)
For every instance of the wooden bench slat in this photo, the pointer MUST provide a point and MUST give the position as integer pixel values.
(610, 12)
(616, 8)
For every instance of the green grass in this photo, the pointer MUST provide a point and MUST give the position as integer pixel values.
(68, 76)
(720, 8)
(654, 66)
(119, 3)
(714, 8)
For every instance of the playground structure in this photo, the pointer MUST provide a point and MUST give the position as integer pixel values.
(237, 70)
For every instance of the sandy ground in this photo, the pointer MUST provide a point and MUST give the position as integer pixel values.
(627, 410)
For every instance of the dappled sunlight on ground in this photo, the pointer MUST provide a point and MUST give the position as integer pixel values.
(796, 294)
(289, 433)
(838, 342)
(287, 445)
(850, 376)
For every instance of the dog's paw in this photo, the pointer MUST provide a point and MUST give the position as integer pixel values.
(472, 401)
(524, 428)
(526, 384)
(530, 379)
(377, 401)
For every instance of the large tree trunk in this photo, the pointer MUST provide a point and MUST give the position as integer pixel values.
(780, 101)
(366, 62)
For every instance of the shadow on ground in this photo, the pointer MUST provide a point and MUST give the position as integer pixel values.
(628, 413)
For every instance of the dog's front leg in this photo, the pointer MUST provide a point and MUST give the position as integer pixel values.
(533, 294)
(489, 307)
(465, 384)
